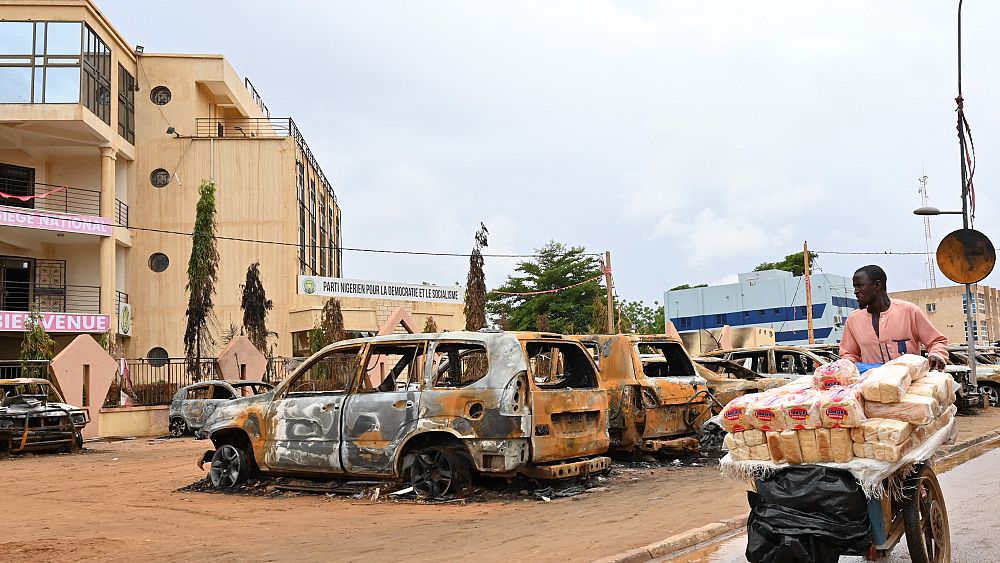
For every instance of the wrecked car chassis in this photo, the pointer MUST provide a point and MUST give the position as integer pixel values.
(37, 431)
(435, 408)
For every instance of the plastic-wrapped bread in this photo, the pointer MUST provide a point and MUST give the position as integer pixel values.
(939, 385)
(841, 445)
(886, 384)
(841, 407)
(801, 410)
(767, 414)
(921, 433)
(740, 454)
(737, 439)
(808, 446)
(864, 449)
(840, 372)
(918, 366)
(736, 414)
(774, 447)
(753, 437)
(823, 444)
(886, 452)
(760, 452)
(803, 383)
(729, 442)
(915, 409)
(790, 447)
(882, 431)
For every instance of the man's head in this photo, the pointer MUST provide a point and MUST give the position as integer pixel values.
(869, 284)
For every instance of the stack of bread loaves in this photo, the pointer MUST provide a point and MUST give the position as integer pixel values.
(837, 414)
(904, 404)
(806, 421)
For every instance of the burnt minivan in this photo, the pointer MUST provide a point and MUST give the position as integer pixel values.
(657, 399)
(433, 409)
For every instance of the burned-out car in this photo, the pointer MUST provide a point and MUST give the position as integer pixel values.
(656, 399)
(34, 417)
(433, 409)
(774, 361)
(192, 405)
(728, 379)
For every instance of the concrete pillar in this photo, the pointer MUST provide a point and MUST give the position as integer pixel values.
(109, 271)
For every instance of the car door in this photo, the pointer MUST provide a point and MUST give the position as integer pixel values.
(193, 404)
(569, 409)
(383, 407)
(304, 419)
(218, 395)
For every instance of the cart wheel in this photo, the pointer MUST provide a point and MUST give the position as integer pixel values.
(925, 516)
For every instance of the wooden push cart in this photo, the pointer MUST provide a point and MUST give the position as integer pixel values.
(917, 513)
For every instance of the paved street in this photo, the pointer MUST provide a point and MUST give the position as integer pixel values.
(974, 523)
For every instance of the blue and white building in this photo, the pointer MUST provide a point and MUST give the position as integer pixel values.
(772, 298)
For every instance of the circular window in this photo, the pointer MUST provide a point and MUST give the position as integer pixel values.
(159, 177)
(160, 95)
(158, 261)
(157, 357)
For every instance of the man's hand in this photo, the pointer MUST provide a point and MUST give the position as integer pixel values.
(937, 364)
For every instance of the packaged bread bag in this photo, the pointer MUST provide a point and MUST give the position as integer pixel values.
(886, 384)
(767, 413)
(918, 366)
(841, 407)
(840, 372)
(801, 410)
(915, 409)
(736, 414)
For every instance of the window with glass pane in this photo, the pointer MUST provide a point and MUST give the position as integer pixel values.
(126, 105)
(96, 89)
(40, 62)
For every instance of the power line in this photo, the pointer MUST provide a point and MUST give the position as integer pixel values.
(294, 244)
(879, 253)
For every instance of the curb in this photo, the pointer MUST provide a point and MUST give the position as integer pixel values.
(711, 531)
(678, 542)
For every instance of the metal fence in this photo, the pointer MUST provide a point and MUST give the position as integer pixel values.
(50, 298)
(244, 128)
(13, 369)
(154, 381)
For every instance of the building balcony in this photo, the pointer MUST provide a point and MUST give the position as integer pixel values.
(28, 284)
(57, 208)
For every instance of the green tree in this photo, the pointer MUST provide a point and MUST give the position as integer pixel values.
(555, 266)
(202, 274)
(331, 323)
(37, 345)
(475, 287)
(430, 325)
(794, 263)
(686, 286)
(637, 318)
(255, 305)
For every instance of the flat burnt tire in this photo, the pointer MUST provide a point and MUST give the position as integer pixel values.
(178, 427)
(229, 468)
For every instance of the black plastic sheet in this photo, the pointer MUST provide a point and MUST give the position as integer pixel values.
(806, 514)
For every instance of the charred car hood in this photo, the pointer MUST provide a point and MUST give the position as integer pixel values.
(225, 415)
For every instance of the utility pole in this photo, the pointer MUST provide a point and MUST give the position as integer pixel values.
(969, 295)
(611, 303)
(809, 294)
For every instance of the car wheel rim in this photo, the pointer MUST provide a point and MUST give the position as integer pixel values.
(177, 427)
(226, 466)
(431, 474)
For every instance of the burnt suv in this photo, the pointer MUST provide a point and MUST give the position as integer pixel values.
(433, 409)
(34, 418)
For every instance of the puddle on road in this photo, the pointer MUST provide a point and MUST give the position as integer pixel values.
(727, 551)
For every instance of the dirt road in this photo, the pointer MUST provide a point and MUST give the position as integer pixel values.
(120, 501)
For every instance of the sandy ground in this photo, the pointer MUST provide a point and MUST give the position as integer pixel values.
(120, 501)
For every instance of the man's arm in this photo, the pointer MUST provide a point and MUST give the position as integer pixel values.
(849, 348)
(932, 339)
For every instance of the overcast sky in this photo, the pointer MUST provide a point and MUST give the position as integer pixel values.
(693, 140)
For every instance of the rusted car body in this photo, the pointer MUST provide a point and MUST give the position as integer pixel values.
(774, 361)
(34, 418)
(431, 407)
(987, 369)
(192, 405)
(657, 399)
(728, 379)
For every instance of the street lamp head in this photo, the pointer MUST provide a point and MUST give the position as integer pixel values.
(927, 211)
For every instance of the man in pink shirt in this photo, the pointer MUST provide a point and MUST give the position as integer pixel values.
(884, 328)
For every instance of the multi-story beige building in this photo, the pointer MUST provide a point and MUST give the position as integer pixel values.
(102, 150)
(946, 308)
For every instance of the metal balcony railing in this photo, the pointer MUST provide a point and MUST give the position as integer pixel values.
(244, 128)
(50, 298)
(56, 198)
(13, 369)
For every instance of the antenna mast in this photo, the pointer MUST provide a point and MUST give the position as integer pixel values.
(927, 233)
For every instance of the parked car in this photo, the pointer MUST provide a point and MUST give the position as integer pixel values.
(656, 398)
(34, 417)
(781, 361)
(728, 379)
(433, 409)
(192, 405)
(987, 369)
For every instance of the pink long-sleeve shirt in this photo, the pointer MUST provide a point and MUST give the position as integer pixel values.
(902, 329)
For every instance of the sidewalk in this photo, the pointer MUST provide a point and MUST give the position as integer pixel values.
(976, 434)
